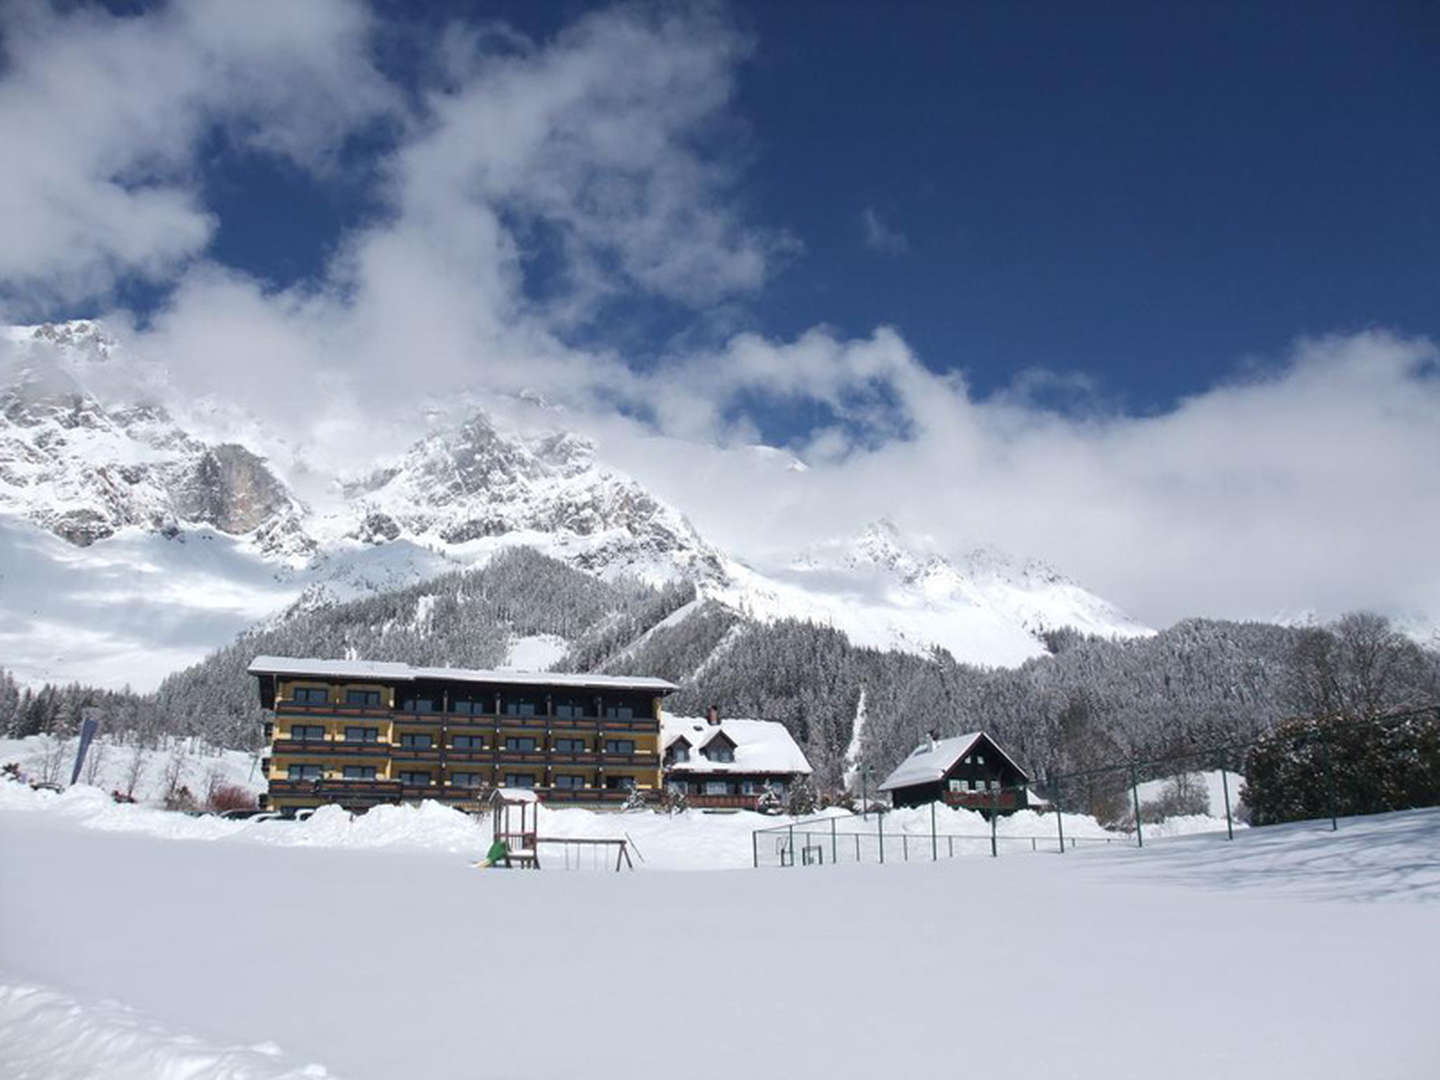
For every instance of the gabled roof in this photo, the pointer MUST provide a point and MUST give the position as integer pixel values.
(930, 762)
(301, 667)
(761, 746)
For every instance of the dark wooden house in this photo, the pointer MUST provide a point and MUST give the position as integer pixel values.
(965, 770)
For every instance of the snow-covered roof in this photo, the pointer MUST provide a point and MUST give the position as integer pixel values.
(931, 761)
(761, 746)
(392, 672)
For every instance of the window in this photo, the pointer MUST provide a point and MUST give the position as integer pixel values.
(570, 708)
(415, 740)
(979, 759)
(569, 783)
(311, 695)
(957, 785)
(415, 779)
(520, 744)
(994, 785)
(466, 779)
(778, 787)
(717, 787)
(620, 746)
(619, 712)
(620, 783)
(468, 742)
(418, 704)
(525, 780)
(521, 707)
(308, 732)
(570, 746)
(368, 698)
(362, 734)
(359, 772)
(466, 707)
(679, 752)
(305, 772)
(677, 787)
(720, 751)
(748, 787)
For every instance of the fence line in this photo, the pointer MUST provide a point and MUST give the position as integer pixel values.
(820, 836)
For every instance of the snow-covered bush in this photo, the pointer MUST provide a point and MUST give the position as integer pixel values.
(802, 801)
(1304, 766)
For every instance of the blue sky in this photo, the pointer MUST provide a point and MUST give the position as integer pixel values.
(1151, 196)
(1145, 290)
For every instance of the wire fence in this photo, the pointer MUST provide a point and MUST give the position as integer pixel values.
(839, 838)
(1302, 769)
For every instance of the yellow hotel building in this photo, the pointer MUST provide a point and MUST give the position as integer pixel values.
(359, 733)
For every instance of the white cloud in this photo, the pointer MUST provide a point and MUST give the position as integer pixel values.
(103, 117)
(1310, 486)
(881, 237)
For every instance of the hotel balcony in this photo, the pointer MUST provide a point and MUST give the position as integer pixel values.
(328, 748)
(292, 708)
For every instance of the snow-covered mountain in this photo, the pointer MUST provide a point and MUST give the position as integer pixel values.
(84, 471)
(108, 503)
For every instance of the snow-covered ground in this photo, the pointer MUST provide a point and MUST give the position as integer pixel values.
(1290, 952)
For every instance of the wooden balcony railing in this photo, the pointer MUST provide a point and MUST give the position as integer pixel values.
(723, 802)
(331, 748)
(295, 708)
(983, 800)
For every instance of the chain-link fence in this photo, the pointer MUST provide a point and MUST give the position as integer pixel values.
(1303, 769)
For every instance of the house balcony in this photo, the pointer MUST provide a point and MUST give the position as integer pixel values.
(371, 712)
(327, 748)
(469, 756)
(985, 800)
(345, 792)
(632, 761)
(723, 802)
(592, 796)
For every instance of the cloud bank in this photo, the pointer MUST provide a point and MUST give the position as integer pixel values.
(533, 188)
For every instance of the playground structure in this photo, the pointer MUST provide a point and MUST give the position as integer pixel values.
(516, 839)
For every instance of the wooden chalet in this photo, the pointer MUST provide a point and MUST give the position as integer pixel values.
(728, 764)
(966, 770)
(359, 733)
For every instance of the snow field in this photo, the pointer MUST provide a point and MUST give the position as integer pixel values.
(49, 1036)
(1193, 958)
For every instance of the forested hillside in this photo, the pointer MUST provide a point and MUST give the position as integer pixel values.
(1088, 702)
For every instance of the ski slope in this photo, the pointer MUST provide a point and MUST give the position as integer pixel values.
(1290, 952)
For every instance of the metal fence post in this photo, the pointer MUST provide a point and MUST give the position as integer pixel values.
(880, 831)
(1059, 817)
(1135, 794)
(755, 846)
(834, 848)
(1329, 779)
(792, 845)
(1225, 787)
(994, 817)
(934, 843)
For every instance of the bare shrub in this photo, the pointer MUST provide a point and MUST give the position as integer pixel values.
(134, 769)
(225, 797)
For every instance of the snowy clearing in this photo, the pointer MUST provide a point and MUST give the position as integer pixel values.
(1195, 957)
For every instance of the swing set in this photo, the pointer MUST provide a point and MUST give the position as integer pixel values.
(515, 825)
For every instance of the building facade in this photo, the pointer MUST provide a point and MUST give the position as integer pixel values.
(729, 764)
(967, 770)
(361, 733)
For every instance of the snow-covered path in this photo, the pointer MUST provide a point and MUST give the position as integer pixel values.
(1193, 958)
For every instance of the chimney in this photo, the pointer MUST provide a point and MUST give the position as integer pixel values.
(933, 736)
(712, 716)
